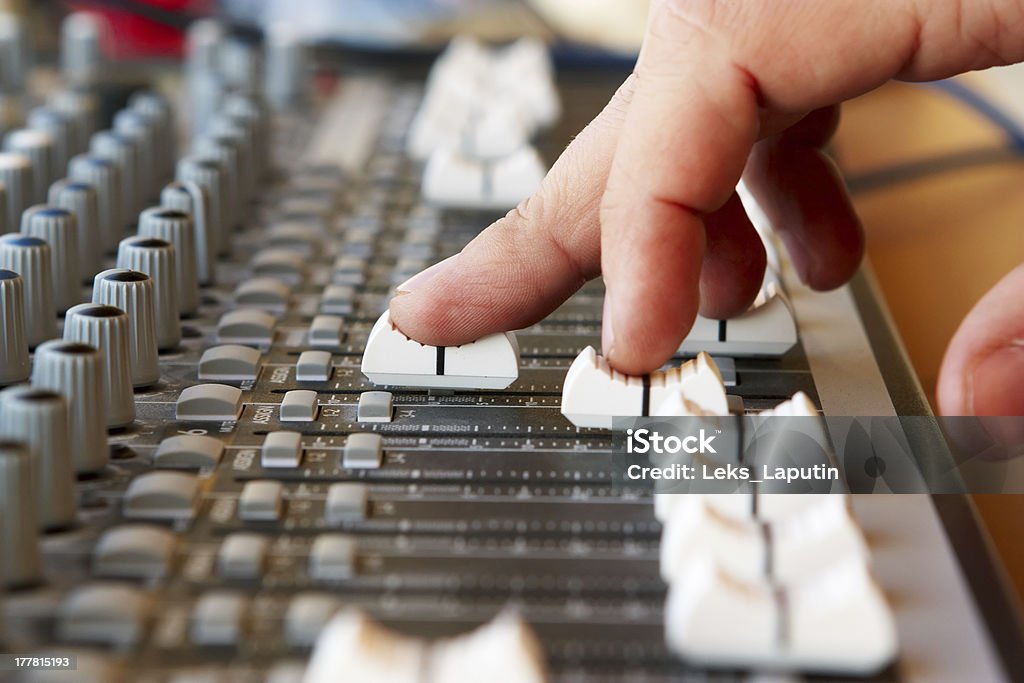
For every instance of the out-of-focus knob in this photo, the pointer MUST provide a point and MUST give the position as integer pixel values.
(160, 114)
(285, 79)
(20, 563)
(132, 292)
(126, 153)
(81, 54)
(58, 228)
(15, 52)
(227, 153)
(253, 110)
(209, 174)
(16, 177)
(175, 227)
(83, 108)
(60, 128)
(14, 362)
(203, 44)
(156, 258)
(107, 329)
(31, 258)
(80, 199)
(136, 126)
(39, 147)
(75, 370)
(240, 65)
(240, 134)
(191, 199)
(104, 175)
(39, 418)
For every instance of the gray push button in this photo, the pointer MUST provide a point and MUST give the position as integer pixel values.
(188, 451)
(363, 451)
(283, 264)
(313, 366)
(161, 495)
(346, 502)
(248, 326)
(337, 299)
(242, 555)
(326, 332)
(333, 557)
(217, 618)
(348, 270)
(298, 405)
(230, 362)
(374, 406)
(209, 403)
(281, 449)
(307, 615)
(260, 501)
(135, 551)
(263, 292)
(111, 614)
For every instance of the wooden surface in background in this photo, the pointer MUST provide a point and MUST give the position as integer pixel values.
(939, 242)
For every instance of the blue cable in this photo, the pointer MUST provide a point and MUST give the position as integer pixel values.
(985, 108)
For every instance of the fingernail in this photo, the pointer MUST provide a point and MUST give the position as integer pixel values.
(996, 384)
(607, 328)
(424, 276)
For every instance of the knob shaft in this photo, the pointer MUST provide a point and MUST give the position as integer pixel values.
(16, 177)
(39, 418)
(126, 153)
(107, 329)
(157, 259)
(132, 292)
(104, 175)
(75, 370)
(39, 148)
(58, 228)
(209, 175)
(175, 226)
(32, 258)
(80, 199)
(14, 361)
(20, 563)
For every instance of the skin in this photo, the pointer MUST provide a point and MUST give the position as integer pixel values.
(645, 195)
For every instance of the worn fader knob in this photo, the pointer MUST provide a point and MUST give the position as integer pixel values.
(14, 362)
(58, 228)
(132, 292)
(156, 258)
(107, 329)
(20, 562)
(31, 258)
(176, 228)
(16, 177)
(80, 199)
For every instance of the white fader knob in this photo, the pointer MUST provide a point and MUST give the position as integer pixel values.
(104, 175)
(80, 199)
(391, 358)
(60, 128)
(14, 362)
(107, 329)
(506, 646)
(126, 153)
(31, 258)
(20, 563)
(176, 227)
(39, 418)
(209, 175)
(132, 292)
(191, 200)
(156, 258)
(766, 329)
(75, 370)
(16, 177)
(39, 148)
(366, 651)
(58, 228)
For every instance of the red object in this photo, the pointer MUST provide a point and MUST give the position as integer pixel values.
(132, 36)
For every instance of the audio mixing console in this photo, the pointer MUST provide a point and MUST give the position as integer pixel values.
(220, 462)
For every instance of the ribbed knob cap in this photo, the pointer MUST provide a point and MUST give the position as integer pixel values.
(287, 62)
(132, 292)
(40, 149)
(158, 111)
(58, 228)
(126, 153)
(156, 258)
(104, 175)
(80, 199)
(16, 177)
(83, 108)
(14, 362)
(75, 370)
(15, 52)
(60, 128)
(39, 418)
(175, 226)
(20, 563)
(209, 174)
(32, 258)
(227, 153)
(191, 198)
(81, 56)
(107, 329)
(251, 109)
(240, 133)
(135, 125)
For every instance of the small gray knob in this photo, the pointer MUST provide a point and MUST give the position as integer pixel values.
(58, 228)
(20, 563)
(80, 199)
(159, 112)
(287, 63)
(104, 175)
(81, 54)
(16, 177)
(127, 154)
(14, 362)
(175, 226)
(209, 174)
(32, 258)
(82, 107)
(15, 53)
(39, 419)
(136, 126)
(240, 65)
(132, 292)
(75, 370)
(40, 149)
(252, 110)
(191, 199)
(156, 258)
(226, 152)
(60, 128)
(240, 133)
(107, 329)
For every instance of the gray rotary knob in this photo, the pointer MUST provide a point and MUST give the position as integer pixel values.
(75, 370)
(80, 199)
(59, 229)
(240, 65)
(253, 111)
(15, 52)
(241, 134)
(127, 154)
(157, 259)
(82, 107)
(287, 63)
(228, 154)
(14, 362)
(191, 199)
(107, 329)
(39, 419)
(40, 149)
(205, 88)
(104, 175)
(209, 174)
(159, 112)
(16, 177)
(132, 292)
(133, 124)
(20, 563)
(60, 128)
(81, 55)
(175, 227)
(32, 258)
